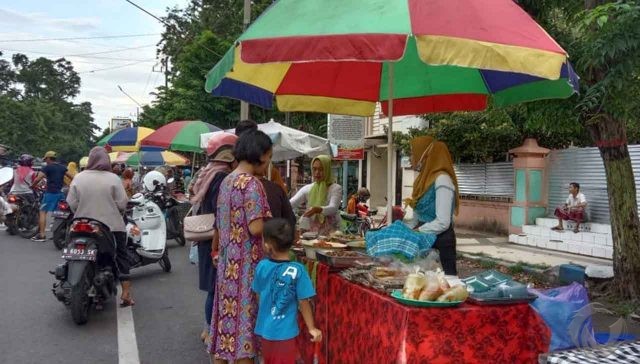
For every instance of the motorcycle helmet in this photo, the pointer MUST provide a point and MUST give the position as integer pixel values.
(153, 179)
(186, 172)
(26, 160)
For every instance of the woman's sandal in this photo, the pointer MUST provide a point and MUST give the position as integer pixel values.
(126, 302)
(557, 228)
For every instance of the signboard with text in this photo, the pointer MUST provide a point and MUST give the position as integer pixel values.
(347, 133)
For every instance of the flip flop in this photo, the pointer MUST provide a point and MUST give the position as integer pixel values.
(556, 228)
(127, 302)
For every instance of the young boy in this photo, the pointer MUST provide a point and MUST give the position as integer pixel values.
(282, 287)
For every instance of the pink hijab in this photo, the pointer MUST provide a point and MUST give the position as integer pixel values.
(218, 162)
(99, 160)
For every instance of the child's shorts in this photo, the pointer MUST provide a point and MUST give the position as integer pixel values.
(279, 352)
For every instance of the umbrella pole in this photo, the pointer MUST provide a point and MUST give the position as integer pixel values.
(390, 171)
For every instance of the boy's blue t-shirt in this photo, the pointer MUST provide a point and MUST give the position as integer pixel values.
(280, 284)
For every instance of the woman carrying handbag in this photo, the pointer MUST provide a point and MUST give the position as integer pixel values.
(205, 195)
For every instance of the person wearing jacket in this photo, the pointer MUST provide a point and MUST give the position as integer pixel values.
(97, 193)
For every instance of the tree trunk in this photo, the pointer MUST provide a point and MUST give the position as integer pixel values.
(610, 136)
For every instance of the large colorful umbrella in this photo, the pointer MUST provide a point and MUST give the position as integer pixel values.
(179, 135)
(125, 140)
(413, 56)
(155, 158)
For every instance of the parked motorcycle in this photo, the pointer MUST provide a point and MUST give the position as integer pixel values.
(6, 176)
(155, 185)
(62, 218)
(146, 234)
(26, 211)
(87, 277)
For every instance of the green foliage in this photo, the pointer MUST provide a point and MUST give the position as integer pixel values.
(36, 113)
(194, 41)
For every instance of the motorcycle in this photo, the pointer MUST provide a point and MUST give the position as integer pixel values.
(174, 211)
(146, 234)
(6, 176)
(87, 278)
(26, 213)
(62, 218)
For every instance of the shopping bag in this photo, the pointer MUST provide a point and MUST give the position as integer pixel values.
(193, 253)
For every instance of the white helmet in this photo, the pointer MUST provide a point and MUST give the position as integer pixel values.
(153, 179)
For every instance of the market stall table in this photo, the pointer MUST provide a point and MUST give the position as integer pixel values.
(361, 325)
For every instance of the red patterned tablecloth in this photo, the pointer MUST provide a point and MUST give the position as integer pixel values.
(361, 325)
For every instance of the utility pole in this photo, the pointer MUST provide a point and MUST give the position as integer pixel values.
(244, 107)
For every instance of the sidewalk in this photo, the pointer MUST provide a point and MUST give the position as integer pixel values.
(497, 247)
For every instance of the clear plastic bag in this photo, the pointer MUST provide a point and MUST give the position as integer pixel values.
(193, 253)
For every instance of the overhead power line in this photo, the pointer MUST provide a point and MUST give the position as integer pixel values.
(110, 68)
(84, 56)
(110, 51)
(147, 12)
(79, 38)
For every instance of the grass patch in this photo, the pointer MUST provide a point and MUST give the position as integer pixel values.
(517, 268)
(488, 264)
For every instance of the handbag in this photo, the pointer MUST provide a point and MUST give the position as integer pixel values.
(198, 227)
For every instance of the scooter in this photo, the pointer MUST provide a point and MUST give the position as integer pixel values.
(87, 278)
(174, 211)
(62, 218)
(6, 176)
(146, 234)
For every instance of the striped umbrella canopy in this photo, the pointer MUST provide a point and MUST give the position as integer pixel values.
(412, 56)
(125, 140)
(179, 135)
(156, 158)
(335, 56)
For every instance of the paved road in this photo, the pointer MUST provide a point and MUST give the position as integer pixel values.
(36, 328)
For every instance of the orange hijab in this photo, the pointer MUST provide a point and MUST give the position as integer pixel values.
(431, 158)
(277, 179)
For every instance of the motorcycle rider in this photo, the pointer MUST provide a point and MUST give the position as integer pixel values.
(55, 173)
(97, 193)
(23, 178)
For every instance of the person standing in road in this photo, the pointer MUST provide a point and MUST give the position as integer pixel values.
(204, 200)
(241, 211)
(54, 173)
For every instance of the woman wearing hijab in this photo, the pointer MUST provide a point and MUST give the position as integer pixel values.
(205, 197)
(97, 193)
(322, 197)
(72, 170)
(434, 201)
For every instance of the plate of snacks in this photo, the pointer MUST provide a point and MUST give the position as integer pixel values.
(430, 289)
(312, 246)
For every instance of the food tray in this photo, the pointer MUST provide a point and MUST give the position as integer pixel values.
(397, 294)
(484, 281)
(341, 262)
(501, 300)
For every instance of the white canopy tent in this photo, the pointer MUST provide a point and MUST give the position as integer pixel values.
(288, 143)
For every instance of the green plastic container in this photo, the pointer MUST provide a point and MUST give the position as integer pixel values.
(397, 294)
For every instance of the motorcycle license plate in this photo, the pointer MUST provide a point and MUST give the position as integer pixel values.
(60, 214)
(79, 254)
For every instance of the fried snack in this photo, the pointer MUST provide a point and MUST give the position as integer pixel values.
(413, 286)
(431, 290)
(454, 294)
(322, 244)
(383, 272)
(442, 281)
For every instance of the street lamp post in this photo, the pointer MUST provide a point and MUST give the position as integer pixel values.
(134, 100)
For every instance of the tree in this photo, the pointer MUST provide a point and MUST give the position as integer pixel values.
(36, 111)
(603, 39)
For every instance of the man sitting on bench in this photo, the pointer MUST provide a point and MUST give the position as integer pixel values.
(573, 209)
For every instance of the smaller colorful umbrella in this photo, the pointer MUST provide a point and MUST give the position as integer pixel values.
(125, 140)
(156, 158)
(119, 157)
(179, 135)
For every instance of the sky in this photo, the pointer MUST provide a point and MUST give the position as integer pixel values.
(101, 73)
